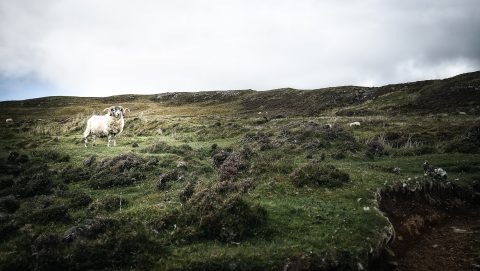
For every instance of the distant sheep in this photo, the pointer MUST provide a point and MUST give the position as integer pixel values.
(356, 123)
(9, 120)
(109, 125)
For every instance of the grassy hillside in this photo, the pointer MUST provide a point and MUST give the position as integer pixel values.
(238, 180)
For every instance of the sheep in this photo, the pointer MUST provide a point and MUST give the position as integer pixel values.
(356, 123)
(9, 120)
(109, 125)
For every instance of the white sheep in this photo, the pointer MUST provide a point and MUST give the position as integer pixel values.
(109, 125)
(356, 123)
(9, 120)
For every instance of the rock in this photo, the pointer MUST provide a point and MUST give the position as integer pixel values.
(440, 172)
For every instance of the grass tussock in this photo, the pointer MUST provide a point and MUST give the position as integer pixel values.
(319, 175)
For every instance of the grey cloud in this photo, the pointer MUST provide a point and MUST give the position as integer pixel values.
(109, 47)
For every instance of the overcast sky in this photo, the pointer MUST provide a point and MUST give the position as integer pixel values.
(108, 47)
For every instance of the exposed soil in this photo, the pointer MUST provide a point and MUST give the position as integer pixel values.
(442, 234)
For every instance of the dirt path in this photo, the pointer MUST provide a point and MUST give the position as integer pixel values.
(441, 236)
(445, 246)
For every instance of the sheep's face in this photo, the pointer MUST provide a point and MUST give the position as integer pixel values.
(117, 111)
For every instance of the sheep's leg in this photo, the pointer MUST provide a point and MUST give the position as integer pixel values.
(94, 141)
(109, 139)
(115, 140)
(85, 142)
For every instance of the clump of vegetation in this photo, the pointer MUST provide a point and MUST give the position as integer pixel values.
(167, 177)
(108, 204)
(121, 170)
(218, 212)
(37, 180)
(162, 147)
(375, 149)
(123, 244)
(78, 200)
(226, 187)
(97, 244)
(50, 155)
(17, 158)
(260, 139)
(9, 204)
(90, 160)
(217, 216)
(90, 228)
(57, 213)
(316, 174)
(234, 163)
(338, 155)
(188, 191)
(469, 142)
(230, 163)
(72, 174)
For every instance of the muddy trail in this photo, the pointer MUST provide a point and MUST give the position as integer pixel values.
(436, 227)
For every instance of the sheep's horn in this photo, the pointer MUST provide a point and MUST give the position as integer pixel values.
(126, 109)
(106, 109)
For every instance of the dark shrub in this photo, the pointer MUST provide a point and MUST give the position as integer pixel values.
(106, 179)
(464, 145)
(339, 155)
(79, 200)
(187, 191)
(218, 217)
(47, 251)
(16, 158)
(219, 157)
(34, 181)
(57, 213)
(375, 149)
(120, 245)
(315, 174)
(90, 228)
(234, 163)
(72, 174)
(167, 177)
(89, 161)
(6, 182)
(51, 155)
(9, 204)
(7, 226)
(108, 204)
(121, 170)
(226, 187)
